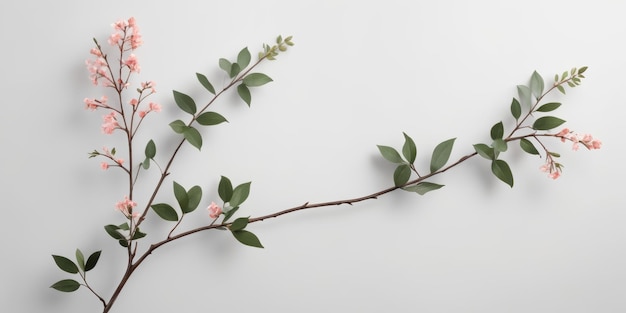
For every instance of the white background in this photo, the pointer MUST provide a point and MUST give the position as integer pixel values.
(360, 74)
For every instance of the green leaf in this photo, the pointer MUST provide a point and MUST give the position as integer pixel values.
(485, 151)
(239, 224)
(516, 109)
(205, 82)
(256, 79)
(123, 243)
(150, 149)
(66, 285)
(181, 196)
(561, 89)
(234, 70)
(423, 187)
(65, 264)
(210, 118)
(123, 226)
(244, 94)
(528, 146)
(547, 123)
(194, 196)
(80, 259)
(225, 65)
(240, 194)
(178, 126)
(138, 235)
(390, 154)
(243, 58)
(441, 154)
(112, 231)
(401, 175)
(230, 214)
(582, 70)
(524, 95)
(92, 260)
(549, 107)
(145, 164)
(193, 136)
(501, 170)
(185, 102)
(536, 84)
(225, 189)
(165, 211)
(247, 238)
(409, 150)
(499, 145)
(497, 131)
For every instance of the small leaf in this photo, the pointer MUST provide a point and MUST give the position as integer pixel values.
(205, 82)
(80, 259)
(145, 164)
(501, 170)
(499, 145)
(485, 151)
(193, 137)
(243, 58)
(240, 194)
(409, 150)
(244, 94)
(185, 102)
(547, 123)
(123, 243)
(210, 118)
(165, 211)
(561, 89)
(65, 264)
(181, 196)
(247, 238)
(138, 235)
(225, 65)
(112, 231)
(234, 70)
(423, 187)
(401, 175)
(441, 154)
(256, 79)
(66, 285)
(178, 126)
(549, 107)
(194, 196)
(239, 224)
(390, 154)
(150, 149)
(528, 146)
(92, 260)
(229, 214)
(225, 189)
(536, 84)
(524, 95)
(497, 131)
(582, 70)
(516, 109)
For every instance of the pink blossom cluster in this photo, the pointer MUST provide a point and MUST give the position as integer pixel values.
(552, 168)
(126, 207)
(586, 140)
(109, 154)
(93, 104)
(214, 210)
(109, 123)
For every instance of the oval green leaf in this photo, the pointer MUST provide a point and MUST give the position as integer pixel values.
(239, 224)
(80, 259)
(150, 149)
(178, 126)
(441, 154)
(112, 231)
(194, 195)
(516, 109)
(547, 123)
(502, 170)
(244, 57)
(401, 175)
(210, 118)
(244, 94)
(409, 150)
(181, 196)
(225, 65)
(485, 151)
(205, 82)
(65, 264)
(549, 107)
(66, 285)
(92, 260)
(497, 131)
(185, 102)
(256, 79)
(528, 146)
(390, 154)
(165, 211)
(193, 137)
(524, 95)
(240, 194)
(423, 187)
(499, 145)
(247, 238)
(225, 189)
(536, 84)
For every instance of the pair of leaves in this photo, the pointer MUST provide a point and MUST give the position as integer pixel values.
(233, 69)
(150, 153)
(251, 80)
(237, 228)
(67, 265)
(188, 201)
(234, 197)
(114, 231)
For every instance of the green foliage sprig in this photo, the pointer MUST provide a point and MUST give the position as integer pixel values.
(126, 117)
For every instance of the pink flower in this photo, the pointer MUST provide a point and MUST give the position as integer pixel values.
(126, 207)
(120, 25)
(115, 38)
(131, 22)
(150, 84)
(104, 165)
(119, 161)
(134, 102)
(214, 210)
(596, 144)
(142, 114)
(96, 52)
(110, 123)
(132, 63)
(155, 107)
(555, 174)
(135, 39)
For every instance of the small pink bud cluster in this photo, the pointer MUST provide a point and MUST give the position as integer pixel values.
(109, 123)
(98, 68)
(110, 155)
(586, 140)
(552, 168)
(214, 210)
(93, 104)
(126, 207)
